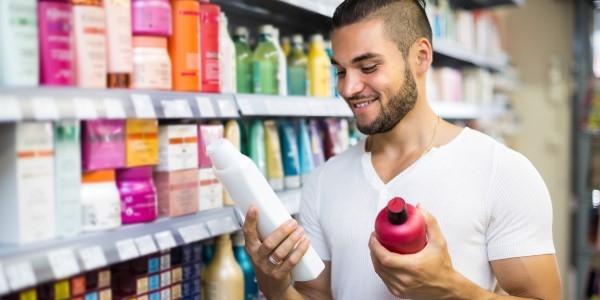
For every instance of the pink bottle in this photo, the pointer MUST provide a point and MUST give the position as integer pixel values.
(400, 227)
(138, 195)
(151, 17)
(55, 31)
(209, 46)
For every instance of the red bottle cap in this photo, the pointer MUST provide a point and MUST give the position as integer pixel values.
(396, 211)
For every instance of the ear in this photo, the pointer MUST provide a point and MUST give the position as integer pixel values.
(424, 56)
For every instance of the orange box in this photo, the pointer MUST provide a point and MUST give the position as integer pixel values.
(78, 285)
(141, 142)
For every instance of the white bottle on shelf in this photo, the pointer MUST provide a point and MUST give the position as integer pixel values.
(227, 58)
(246, 185)
(282, 71)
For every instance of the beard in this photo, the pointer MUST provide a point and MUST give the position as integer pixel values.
(399, 105)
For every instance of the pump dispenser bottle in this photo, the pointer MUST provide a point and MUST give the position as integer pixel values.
(246, 185)
(400, 227)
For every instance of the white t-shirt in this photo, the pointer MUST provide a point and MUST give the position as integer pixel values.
(490, 203)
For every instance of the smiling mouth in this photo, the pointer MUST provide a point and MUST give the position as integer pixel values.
(363, 104)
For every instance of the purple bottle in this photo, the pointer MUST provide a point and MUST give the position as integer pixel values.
(400, 227)
(55, 34)
(138, 195)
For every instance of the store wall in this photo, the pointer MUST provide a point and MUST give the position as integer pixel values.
(538, 37)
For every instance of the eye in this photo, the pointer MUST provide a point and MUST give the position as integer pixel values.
(369, 69)
(340, 73)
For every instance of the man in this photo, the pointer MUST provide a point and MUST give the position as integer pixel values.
(493, 214)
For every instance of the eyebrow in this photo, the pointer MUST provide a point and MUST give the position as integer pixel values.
(359, 58)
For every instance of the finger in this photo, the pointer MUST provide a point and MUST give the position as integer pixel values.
(287, 246)
(271, 242)
(433, 229)
(250, 229)
(296, 254)
(386, 258)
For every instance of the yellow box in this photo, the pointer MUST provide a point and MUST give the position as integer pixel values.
(141, 142)
(142, 286)
(176, 275)
(28, 295)
(62, 290)
(176, 291)
(105, 294)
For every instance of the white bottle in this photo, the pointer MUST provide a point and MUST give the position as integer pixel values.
(227, 58)
(282, 70)
(246, 185)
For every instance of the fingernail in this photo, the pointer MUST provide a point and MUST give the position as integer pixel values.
(292, 222)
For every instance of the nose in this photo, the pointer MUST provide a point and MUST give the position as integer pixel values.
(350, 85)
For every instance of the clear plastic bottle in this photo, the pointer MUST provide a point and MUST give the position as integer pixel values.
(243, 61)
(265, 64)
(297, 68)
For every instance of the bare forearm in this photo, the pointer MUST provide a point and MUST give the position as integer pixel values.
(465, 289)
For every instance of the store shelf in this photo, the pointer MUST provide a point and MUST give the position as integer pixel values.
(479, 4)
(49, 103)
(450, 53)
(25, 266)
(290, 106)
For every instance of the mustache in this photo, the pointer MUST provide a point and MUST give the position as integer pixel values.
(361, 97)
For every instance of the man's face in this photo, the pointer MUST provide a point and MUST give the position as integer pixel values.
(373, 77)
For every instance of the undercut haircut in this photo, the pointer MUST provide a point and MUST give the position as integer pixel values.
(404, 21)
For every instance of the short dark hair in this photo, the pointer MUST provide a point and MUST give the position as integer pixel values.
(405, 21)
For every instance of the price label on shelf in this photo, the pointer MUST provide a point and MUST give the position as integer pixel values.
(194, 233)
(221, 226)
(146, 244)
(227, 108)
(165, 240)
(63, 263)
(127, 249)
(205, 107)
(85, 108)
(20, 275)
(113, 108)
(245, 106)
(92, 258)
(11, 110)
(317, 108)
(143, 106)
(178, 108)
(3, 284)
(276, 108)
(44, 108)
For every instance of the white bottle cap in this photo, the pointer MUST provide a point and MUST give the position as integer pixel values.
(241, 31)
(318, 38)
(223, 154)
(297, 39)
(275, 33)
(265, 29)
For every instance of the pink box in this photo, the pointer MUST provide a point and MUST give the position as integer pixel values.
(103, 144)
(177, 192)
(207, 133)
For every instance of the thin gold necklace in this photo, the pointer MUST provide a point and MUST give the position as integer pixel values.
(369, 141)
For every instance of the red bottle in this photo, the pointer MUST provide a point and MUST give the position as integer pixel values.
(209, 46)
(400, 227)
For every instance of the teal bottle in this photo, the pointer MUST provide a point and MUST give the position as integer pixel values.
(265, 64)
(256, 145)
(250, 285)
(305, 154)
(297, 68)
(243, 61)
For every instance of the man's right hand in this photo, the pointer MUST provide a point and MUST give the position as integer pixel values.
(285, 246)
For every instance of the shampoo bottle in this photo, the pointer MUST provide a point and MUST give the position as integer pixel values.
(304, 150)
(227, 67)
(250, 286)
(119, 43)
(319, 68)
(282, 67)
(289, 154)
(256, 145)
(56, 55)
(242, 179)
(224, 277)
(243, 61)
(265, 64)
(210, 15)
(184, 45)
(274, 162)
(297, 68)
(89, 35)
(400, 227)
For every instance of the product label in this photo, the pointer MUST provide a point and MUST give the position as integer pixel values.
(19, 43)
(210, 52)
(210, 190)
(35, 181)
(178, 148)
(55, 40)
(141, 143)
(90, 46)
(118, 30)
(152, 70)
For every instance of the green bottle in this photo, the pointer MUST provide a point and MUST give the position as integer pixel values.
(265, 64)
(297, 68)
(243, 61)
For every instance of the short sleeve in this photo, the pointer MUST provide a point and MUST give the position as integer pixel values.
(520, 209)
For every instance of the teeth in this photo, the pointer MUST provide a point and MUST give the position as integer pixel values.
(363, 104)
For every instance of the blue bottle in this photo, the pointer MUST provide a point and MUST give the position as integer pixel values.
(250, 286)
